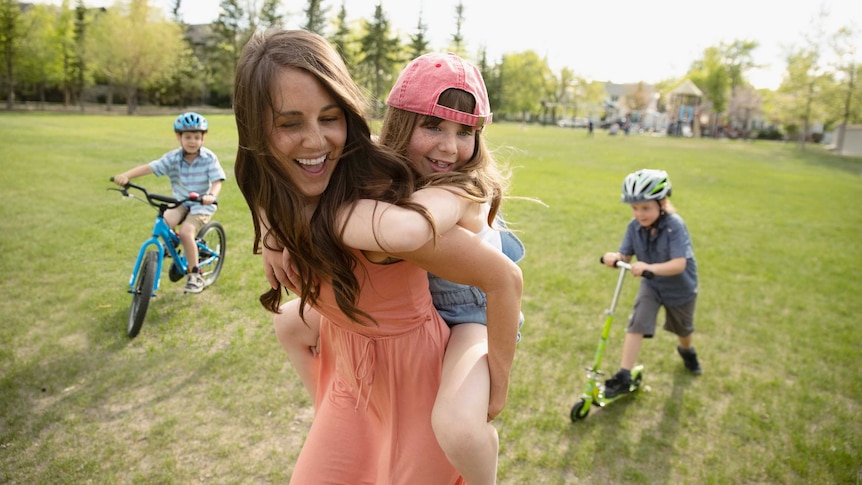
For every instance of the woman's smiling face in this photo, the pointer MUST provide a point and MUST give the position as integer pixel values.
(308, 130)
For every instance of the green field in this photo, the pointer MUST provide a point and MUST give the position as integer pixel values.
(204, 393)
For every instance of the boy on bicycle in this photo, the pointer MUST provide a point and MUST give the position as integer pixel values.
(191, 168)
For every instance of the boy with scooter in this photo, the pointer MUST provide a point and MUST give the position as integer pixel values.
(658, 237)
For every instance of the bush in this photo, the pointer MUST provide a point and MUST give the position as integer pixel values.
(771, 133)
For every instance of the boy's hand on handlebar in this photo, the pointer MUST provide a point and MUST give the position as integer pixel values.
(639, 268)
(120, 180)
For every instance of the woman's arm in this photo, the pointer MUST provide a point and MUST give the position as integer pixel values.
(460, 256)
(379, 226)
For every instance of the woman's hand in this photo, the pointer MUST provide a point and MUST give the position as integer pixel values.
(279, 270)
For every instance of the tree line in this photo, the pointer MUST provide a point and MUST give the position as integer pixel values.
(134, 53)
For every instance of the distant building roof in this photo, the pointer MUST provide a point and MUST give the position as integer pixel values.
(687, 88)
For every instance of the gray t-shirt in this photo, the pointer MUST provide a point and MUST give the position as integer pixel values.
(670, 241)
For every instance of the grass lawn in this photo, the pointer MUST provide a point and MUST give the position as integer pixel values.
(204, 393)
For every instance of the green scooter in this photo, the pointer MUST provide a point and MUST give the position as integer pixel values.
(594, 391)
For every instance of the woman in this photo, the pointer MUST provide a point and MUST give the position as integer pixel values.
(306, 161)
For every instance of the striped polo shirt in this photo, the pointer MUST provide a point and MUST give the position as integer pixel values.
(187, 177)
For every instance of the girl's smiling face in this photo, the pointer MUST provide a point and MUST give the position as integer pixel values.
(445, 147)
(308, 130)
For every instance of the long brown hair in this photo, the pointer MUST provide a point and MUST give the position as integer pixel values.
(480, 177)
(365, 170)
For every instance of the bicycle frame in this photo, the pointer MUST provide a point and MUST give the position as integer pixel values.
(163, 238)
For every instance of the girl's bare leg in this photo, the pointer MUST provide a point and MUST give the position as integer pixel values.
(299, 339)
(460, 415)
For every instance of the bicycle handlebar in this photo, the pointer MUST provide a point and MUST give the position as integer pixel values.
(622, 264)
(193, 196)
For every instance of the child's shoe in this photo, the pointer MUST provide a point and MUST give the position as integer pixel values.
(195, 283)
(619, 384)
(689, 358)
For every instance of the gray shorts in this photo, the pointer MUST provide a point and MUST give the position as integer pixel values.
(678, 319)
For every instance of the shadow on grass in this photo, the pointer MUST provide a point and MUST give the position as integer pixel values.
(93, 373)
(663, 436)
(852, 165)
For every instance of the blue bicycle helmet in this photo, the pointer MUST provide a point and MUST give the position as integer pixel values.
(645, 185)
(190, 122)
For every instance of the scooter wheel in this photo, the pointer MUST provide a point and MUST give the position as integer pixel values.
(578, 411)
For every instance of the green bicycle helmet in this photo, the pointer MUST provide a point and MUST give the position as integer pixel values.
(190, 121)
(645, 185)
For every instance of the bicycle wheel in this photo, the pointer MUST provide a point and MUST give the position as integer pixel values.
(142, 293)
(212, 245)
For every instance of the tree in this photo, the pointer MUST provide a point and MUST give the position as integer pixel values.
(175, 11)
(380, 56)
(738, 59)
(41, 60)
(418, 41)
(66, 37)
(269, 14)
(341, 38)
(231, 29)
(186, 84)
(844, 44)
(457, 45)
(315, 17)
(79, 63)
(524, 83)
(11, 35)
(802, 82)
(711, 76)
(134, 47)
(492, 76)
(560, 93)
(807, 73)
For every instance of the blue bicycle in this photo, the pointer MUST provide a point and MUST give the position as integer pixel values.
(146, 274)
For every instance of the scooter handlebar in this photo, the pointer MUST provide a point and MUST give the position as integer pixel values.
(622, 264)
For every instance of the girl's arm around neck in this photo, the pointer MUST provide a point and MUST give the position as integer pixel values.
(372, 225)
(460, 256)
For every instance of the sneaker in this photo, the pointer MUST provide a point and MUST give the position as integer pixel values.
(195, 283)
(617, 386)
(689, 358)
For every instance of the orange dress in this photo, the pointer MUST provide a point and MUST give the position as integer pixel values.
(377, 385)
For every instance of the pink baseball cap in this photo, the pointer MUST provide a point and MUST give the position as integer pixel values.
(423, 80)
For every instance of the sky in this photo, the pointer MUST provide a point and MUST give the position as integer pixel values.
(621, 41)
